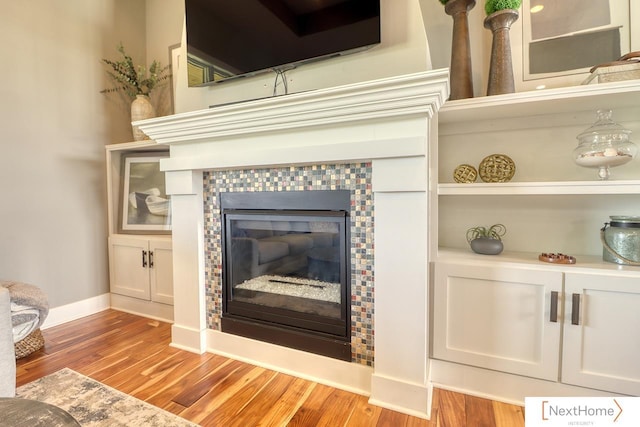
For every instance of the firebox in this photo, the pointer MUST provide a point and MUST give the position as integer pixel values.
(286, 269)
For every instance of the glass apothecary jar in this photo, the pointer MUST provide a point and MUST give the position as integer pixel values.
(604, 145)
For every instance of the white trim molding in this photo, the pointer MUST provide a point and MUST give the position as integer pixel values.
(387, 122)
(76, 310)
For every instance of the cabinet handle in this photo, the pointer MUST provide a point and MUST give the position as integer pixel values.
(553, 316)
(575, 309)
(144, 259)
(150, 259)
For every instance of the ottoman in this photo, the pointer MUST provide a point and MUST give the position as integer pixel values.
(29, 309)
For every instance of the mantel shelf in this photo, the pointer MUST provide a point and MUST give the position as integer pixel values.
(540, 188)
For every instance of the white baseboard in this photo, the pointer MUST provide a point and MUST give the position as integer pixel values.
(347, 376)
(401, 396)
(149, 309)
(390, 393)
(188, 339)
(76, 310)
(501, 386)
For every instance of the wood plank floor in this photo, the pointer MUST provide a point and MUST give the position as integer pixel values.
(131, 354)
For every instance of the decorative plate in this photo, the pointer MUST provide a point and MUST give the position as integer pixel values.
(465, 174)
(497, 168)
(557, 258)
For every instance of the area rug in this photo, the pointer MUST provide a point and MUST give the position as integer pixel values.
(95, 404)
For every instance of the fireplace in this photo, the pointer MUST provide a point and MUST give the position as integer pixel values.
(286, 268)
(387, 124)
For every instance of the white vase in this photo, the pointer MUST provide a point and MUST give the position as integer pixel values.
(141, 109)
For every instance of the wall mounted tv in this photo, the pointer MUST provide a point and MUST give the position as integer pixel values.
(236, 38)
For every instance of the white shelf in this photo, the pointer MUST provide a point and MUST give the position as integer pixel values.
(114, 156)
(584, 263)
(522, 125)
(540, 188)
(571, 99)
(552, 206)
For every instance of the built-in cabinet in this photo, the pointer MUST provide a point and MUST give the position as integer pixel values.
(140, 265)
(141, 268)
(575, 328)
(497, 318)
(511, 313)
(601, 331)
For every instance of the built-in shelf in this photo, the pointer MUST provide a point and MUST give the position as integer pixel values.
(551, 205)
(114, 157)
(540, 188)
(570, 99)
(136, 285)
(584, 263)
(538, 130)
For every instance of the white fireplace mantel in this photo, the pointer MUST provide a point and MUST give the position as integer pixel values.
(420, 93)
(387, 122)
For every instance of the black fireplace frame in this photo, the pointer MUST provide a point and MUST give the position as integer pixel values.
(317, 334)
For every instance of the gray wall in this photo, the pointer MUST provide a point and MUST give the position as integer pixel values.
(55, 124)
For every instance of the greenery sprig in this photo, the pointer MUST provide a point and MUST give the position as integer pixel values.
(496, 231)
(492, 6)
(134, 80)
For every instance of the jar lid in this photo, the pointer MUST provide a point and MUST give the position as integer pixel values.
(625, 218)
(625, 221)
(604, 130)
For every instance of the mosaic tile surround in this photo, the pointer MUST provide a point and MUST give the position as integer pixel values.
(353, 177)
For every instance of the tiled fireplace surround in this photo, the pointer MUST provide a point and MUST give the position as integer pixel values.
(382, 127)
(353, 177)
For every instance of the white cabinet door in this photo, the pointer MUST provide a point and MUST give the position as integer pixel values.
(141, 268)
(601, 346)
(497, 318)
(161, 271)
(128, 271)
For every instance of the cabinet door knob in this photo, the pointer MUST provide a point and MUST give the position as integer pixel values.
(144, 259)
(150, 259)
(553, 310)
(575, 309)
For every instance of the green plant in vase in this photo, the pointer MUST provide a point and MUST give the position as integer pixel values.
(486, 240)
(492, 6)
(134, 80)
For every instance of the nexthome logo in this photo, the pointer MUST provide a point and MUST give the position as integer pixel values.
(582, 411)
(551, 410)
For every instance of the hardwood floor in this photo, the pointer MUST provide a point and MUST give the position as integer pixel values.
(131, 354)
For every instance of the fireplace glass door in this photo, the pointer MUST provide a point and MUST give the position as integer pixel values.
(287, 267)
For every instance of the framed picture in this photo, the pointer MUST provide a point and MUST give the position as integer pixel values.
(562, 40)
(146, 207)
(174, 62)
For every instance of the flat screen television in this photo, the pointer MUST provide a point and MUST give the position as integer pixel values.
(228, 39)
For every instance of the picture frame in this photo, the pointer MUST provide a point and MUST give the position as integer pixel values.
(145, 207)
(174, 63)
(583, 31)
